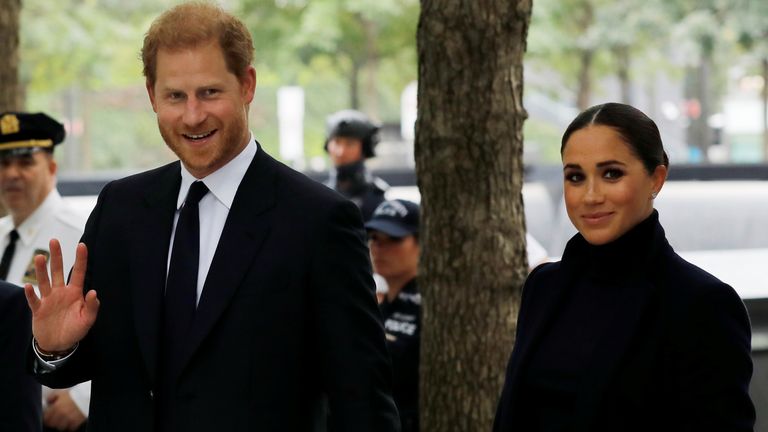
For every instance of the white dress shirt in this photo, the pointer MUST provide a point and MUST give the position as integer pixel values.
(213, 207)
(213, 210)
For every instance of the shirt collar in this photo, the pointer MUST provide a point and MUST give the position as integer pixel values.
(28, 229)
(223, 182)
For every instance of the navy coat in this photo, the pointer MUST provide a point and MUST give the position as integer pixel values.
(20, 398)
(676, 356)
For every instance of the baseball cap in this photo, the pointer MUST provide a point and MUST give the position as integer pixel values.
(395, 218)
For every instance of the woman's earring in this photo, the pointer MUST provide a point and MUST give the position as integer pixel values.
(653, 195)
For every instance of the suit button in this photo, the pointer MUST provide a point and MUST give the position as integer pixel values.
(151, 394)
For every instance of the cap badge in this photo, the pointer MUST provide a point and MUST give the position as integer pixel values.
(391, 209)
(9, 124)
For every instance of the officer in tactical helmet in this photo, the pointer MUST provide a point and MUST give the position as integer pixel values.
(351, 139)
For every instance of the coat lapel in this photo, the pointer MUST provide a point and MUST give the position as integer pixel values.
(248, 224)
(149, 256)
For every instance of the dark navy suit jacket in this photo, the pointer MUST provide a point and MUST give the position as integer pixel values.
(287, 319)
(20, 398)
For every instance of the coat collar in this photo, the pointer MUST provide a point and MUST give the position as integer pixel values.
(637, 254)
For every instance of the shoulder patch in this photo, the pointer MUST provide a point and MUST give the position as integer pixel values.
(29, 273)
(380, 184)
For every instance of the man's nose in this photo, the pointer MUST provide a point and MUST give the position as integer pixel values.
(194, 112)
(9, 169)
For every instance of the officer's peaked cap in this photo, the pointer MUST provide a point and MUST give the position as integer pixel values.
(22, 133)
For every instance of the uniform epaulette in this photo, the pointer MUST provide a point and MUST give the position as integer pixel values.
(380, 184)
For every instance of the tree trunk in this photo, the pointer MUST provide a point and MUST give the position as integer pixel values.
(765, 109)
(585, 17)
(372, 67)
(9, 52)
(469, 165)
(354, 86)
(698, 94)
(621, 53)
(585, 79)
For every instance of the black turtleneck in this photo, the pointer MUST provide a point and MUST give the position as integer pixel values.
(556, 367)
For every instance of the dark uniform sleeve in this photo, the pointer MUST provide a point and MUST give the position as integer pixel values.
(20, 398)
(354, 364)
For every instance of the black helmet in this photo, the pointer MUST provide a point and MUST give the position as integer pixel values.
(353, 124)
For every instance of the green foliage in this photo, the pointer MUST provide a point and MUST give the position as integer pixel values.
(323, 45)
(330, 47)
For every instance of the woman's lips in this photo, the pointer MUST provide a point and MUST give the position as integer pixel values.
(597, 218)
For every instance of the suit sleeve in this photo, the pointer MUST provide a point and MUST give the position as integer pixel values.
(77, 368)
(354, 362)
(20, 408)
(715, 365)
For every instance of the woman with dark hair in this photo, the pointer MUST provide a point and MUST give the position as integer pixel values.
(622, 334)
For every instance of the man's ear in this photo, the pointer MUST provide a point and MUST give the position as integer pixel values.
(151, 93)
(52, 165)
(248, 84)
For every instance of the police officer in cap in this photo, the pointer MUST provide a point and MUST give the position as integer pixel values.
(393, 238)
(351, 139)
(37, 213)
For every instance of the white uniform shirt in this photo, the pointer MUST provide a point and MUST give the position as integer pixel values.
(53, 219)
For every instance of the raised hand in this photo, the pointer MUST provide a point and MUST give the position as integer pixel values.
(62, 316)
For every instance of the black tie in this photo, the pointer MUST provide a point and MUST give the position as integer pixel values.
(181, 284)
(5, 263)
(180, 301)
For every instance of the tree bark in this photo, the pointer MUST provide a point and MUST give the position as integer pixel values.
(371, 67)
(470, 173)
(585, 19)
(765, 109)
(698, 92)
(9, 53)
(354, 86)
(621, 53)
(585, 80)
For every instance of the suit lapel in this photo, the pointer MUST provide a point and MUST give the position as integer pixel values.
(248, 224)
(151, 232)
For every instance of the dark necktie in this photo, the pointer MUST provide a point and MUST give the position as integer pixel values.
(179, 303)
(181, 284)
(5, 262)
